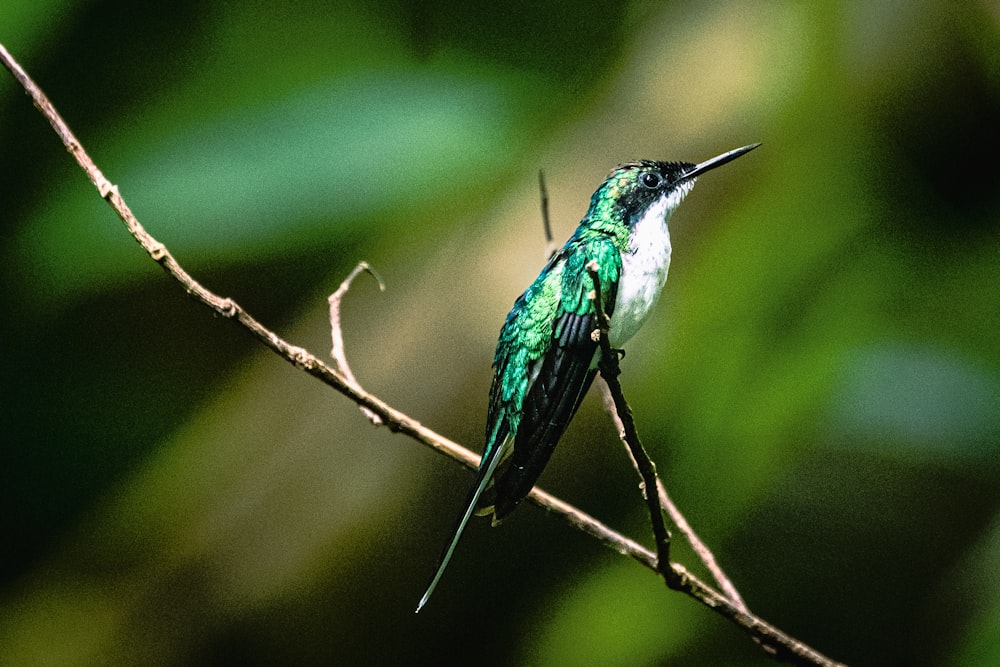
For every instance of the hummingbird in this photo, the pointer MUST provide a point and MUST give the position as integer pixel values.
(547, 354)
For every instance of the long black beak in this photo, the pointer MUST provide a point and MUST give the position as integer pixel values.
(717, 161)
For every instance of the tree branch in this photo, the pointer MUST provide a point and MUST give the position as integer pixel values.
(788, 648)
(704, 554)
(608, 365)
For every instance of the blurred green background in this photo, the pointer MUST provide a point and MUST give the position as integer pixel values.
(820, 386)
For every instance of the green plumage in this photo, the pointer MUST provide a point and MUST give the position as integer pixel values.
(539, 319)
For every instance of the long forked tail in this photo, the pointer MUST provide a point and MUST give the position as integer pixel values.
(486, 470)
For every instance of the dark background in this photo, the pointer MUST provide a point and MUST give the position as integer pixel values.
(820, 386)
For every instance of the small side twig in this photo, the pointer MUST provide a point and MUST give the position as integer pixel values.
(550, 244)
(337, 352)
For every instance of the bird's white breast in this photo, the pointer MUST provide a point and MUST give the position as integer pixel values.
(644, 269)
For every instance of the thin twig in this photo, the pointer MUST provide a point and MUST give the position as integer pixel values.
(704, 554)
(700, 548)
(550, 244)
(610, 369)
(608, 365)
(789, 648)
(337, 352)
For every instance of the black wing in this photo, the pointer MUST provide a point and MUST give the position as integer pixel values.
(563, 379)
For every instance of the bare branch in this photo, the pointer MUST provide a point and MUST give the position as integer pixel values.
(788, 648)
(608, 365)
(676, 517)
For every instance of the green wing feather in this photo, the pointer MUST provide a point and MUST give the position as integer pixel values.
(559, 374)
(543, 366)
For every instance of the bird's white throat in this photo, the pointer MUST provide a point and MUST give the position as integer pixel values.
(644, 267)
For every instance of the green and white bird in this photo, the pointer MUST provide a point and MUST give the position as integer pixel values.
(546, 357)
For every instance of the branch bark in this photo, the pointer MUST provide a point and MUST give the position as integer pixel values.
(787, 648)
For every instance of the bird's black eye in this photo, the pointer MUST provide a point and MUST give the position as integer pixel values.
(650, 180)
